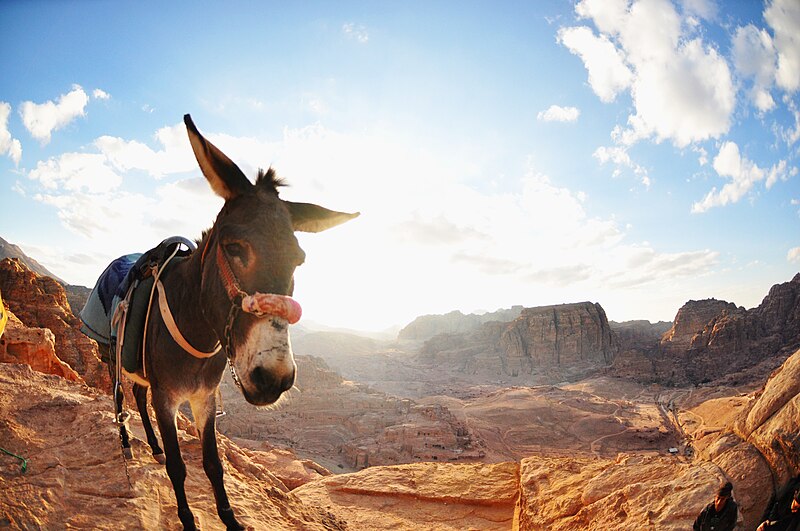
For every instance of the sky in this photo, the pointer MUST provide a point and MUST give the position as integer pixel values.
(637, 154)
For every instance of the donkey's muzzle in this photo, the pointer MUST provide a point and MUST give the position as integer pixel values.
(268, 386)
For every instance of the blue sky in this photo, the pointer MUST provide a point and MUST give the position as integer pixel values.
(636, 154)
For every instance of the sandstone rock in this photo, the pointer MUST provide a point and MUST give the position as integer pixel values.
(35, 347)
(630, 492)
(421, 496)
(692, 318)
(772, 423)
(561, 335)
(76, 477)
(40, 301)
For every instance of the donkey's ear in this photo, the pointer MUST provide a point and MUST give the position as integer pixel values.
(225, 177)
(307, 217)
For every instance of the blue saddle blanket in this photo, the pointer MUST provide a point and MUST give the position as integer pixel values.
(131, 270)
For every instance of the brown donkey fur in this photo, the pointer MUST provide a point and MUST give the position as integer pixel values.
(250, 249)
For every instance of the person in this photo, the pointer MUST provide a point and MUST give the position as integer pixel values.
(784, 520)
(720, 514)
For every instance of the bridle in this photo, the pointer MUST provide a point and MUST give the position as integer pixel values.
(258, 304)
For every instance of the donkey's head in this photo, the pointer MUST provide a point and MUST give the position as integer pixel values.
(248, 261)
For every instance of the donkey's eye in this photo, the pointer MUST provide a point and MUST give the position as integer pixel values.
(235, 249)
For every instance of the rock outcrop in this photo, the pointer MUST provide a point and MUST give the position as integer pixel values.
(691, 318)
(76, 477)
(555, 336)
(438, 496)
(455, 322)
(716, 341)
(41, 302)
(35, 347)
(737, 339)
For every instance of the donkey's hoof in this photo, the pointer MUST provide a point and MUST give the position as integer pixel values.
(227, 517)
(127, 453)
(161, 458)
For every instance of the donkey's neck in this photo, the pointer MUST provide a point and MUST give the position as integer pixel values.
(184, 294)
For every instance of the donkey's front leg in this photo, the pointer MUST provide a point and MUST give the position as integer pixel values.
(204, 410)
(166, 410)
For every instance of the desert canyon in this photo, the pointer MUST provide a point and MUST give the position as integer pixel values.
(527, 418)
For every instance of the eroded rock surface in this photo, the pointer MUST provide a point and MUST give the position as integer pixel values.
(41, 302)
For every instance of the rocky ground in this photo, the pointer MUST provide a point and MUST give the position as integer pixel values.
(469, 448)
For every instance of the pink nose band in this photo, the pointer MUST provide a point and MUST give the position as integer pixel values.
(260, 304)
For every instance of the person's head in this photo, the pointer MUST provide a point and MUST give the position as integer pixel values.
(796, 501)
(723, 495)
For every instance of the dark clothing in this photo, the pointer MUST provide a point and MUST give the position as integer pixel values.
(711, 520)
(790, 522)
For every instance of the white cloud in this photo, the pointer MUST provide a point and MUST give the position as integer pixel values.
(608, 74)
(174, 157)
(705, 9)
(793, 255)
(743, 174)
(556, 113)
(74, 172)
(619, 156)
(682, 89)
(356, 31)
(784, 18)
(8, 145)
(754, 57)
(41, 119)
(100, 94)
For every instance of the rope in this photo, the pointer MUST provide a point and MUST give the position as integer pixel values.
(24, 461)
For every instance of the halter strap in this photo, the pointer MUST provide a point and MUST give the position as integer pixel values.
(174, 331)
(258, 304)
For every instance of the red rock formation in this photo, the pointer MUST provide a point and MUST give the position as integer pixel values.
(691, 318)
(561, 335)
(34, 347)
(41, 302)
(76, 477)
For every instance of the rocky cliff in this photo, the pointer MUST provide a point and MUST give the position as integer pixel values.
(737, 339)
(691, 318)
(559, 340)
(716, 341)
(455, 322)
(561, 335)
(41, 302)
(35, 347)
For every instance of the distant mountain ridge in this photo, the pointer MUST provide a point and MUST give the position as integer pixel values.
(427, 326)
(9, 250)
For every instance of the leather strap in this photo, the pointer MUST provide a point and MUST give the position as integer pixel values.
(166, 315)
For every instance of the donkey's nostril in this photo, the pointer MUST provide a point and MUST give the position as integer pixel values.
(287, 382)
(260, 377)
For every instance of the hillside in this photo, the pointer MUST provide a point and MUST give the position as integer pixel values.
(590, 454)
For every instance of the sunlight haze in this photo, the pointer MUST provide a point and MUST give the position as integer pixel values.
(635, 154)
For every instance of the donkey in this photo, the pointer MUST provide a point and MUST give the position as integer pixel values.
(229, 301)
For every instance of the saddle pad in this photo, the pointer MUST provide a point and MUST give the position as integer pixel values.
(97, 312)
